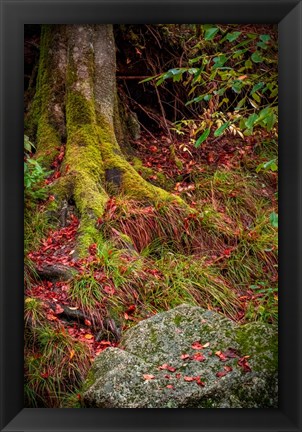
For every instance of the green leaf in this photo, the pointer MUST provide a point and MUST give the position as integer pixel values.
(257, 87)
(251, 35)
(262, 45)
(237, 86)
(248, 64)
(202, 137)
(220, 92)
(264, 113)
(270, 121)
(256, 57)
(251, 120)
(219, 61)
(231, 37)
(210, 33)
(197, 99)
(196, 59)
(238, 53)
(270, 165)
(264, 37)
(242, 123)
(273, 218)
(240, 104)
(221, 129)
(274, 93)
(147, 79)
(256, 97)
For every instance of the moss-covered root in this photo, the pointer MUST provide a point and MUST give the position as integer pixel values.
(45, 122)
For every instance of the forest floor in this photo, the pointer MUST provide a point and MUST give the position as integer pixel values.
(229, 267)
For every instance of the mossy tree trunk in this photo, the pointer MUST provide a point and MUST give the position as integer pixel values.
(76, 105)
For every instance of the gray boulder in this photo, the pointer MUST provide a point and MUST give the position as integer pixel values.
(187, 357)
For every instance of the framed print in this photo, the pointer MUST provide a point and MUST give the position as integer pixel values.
(142, 213)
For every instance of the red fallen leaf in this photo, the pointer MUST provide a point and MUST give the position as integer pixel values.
(103, 342)
(231, 353)
(228, 368)
(189, 379)
(185, 356)
(211, 157)
(58, 310)
(148, 377)
(88, 336)
(242, 362)
(199, 382)
(44, 375)
(221, 356)
(153, 149)
(79, 397)
(51, 317)
(131, 309)
(87, 322)
(178, 375)
(93, 248)
(67, 168)
(227, 252)
(165, 366)
(109, 290)
(198, 357)
(169, 386)
(197, 345)
(167, 376)
(221, 374)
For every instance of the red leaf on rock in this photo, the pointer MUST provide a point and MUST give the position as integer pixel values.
(221, 356)
(198, 357)
(199, 382)
(169, 386)
(148, 377)
(242, 362)
(185, 356)
(165, 366)
(221, 374)
(197, 345)
(228, 368)
(231, 353)
(189, 379)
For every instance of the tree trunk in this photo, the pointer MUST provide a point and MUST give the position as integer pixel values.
(76, 104)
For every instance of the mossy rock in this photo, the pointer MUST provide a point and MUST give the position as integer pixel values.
(118, 376)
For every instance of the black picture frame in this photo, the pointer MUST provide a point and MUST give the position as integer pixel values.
(16, 13)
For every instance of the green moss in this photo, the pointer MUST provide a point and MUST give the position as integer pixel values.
(86, 168)
(80, 110)
(89, 381)
(178, 319)
(40, 120)
(260, 341)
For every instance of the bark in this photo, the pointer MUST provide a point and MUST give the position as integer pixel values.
(76, 102)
